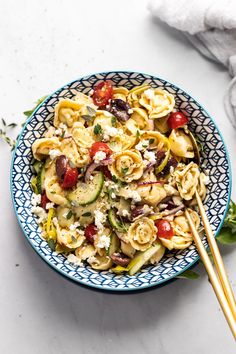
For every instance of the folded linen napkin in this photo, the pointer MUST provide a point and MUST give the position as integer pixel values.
(210, 25)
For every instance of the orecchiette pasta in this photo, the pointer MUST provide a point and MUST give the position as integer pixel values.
(110, 172)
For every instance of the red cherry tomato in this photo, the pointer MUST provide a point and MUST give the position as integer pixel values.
(100, 146)
(70, 177)
(44, 200)
(90, 231)
(164, 229)
(106, 172)
(176, 120)
(102, 93)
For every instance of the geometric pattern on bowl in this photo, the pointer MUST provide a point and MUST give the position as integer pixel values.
(215, 162)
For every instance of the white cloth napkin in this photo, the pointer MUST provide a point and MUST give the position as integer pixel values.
(210, 25)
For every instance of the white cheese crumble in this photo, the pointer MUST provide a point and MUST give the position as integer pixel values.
(36, 199)
(142, 145)
(50, 206)
(54, 153)
(62, 130)
(134, 195)
(149, 157)
(99, 156)
(149, 94)
(113, 196)
(111, 132)
(74, 226)
(130, 111)
(92, 260)
(104, 242)
(40, 212)
(100, 218)
(125, 213)
(206, 180)
(73, 259)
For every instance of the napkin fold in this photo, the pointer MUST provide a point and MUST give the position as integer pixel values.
(210, 25)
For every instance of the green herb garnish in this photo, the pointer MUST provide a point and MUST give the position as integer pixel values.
(138, 133)
(97, 129)
(124, 170)
(3, 133)
(151, 141)
(87, 214)
(114, 178)
(189, 274)
(113, 121)
(63, 134)
(69, 215)
(227, 234)
(52, 244)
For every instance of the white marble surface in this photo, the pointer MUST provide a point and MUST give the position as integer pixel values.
(45, 44)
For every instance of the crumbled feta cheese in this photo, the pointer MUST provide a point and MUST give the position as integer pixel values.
(92, 260)
(107, 183)
(100, 218)
(150, 157)
(113, 196)
(54, 153)
(171, 169)
(99, 156)
(50, 132)
(91, 178)
(74, 226)
(134, 195)
(80, 232)
(130, 111)
(111, 132)
(49, 206)
(36, 199)
(150, 94)
(62, 130)
(142, 145)
(125, 213)
(73, 259)
(206, 179)
(40, 212)
(103, 242)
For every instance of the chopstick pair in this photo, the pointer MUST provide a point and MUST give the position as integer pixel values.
(219, 280)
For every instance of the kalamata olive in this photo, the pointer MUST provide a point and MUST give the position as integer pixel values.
(120, 109)
(160, 155)
(120, 259)
(140, 210)
(61, 166)
(172, 162)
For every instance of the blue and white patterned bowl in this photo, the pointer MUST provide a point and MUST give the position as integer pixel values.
(215, 160)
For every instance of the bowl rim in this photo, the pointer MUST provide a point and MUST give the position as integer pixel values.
(96, 286)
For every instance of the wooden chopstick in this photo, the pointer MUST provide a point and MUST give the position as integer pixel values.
(217, 258)
(213, 277)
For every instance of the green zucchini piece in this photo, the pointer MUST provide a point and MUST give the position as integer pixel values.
(115, 222)
(40, 178)
(114, 244)
(141, 258)
(37, 165)
(87, 193)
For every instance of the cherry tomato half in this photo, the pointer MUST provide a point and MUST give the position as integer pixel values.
(90, 231)
(100, 146)
(176, 120)
(164, 229)
(102, 93)
(70, 177)
(44, 200)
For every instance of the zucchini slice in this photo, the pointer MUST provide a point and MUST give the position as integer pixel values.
(40, 178)
(141, 258)
(87, 193)
(115, 222)
(114, 244)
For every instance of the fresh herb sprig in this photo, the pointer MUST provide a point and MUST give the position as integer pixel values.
(4, 131)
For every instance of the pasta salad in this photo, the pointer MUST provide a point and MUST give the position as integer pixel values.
(113, 175)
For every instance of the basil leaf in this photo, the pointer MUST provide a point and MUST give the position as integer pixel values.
(87, 214)
(52, 244)
(226, 236)
(69, 215)
(97, 129)
(189, 274)
(91, 111)
(113, 121)
(124, 170)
